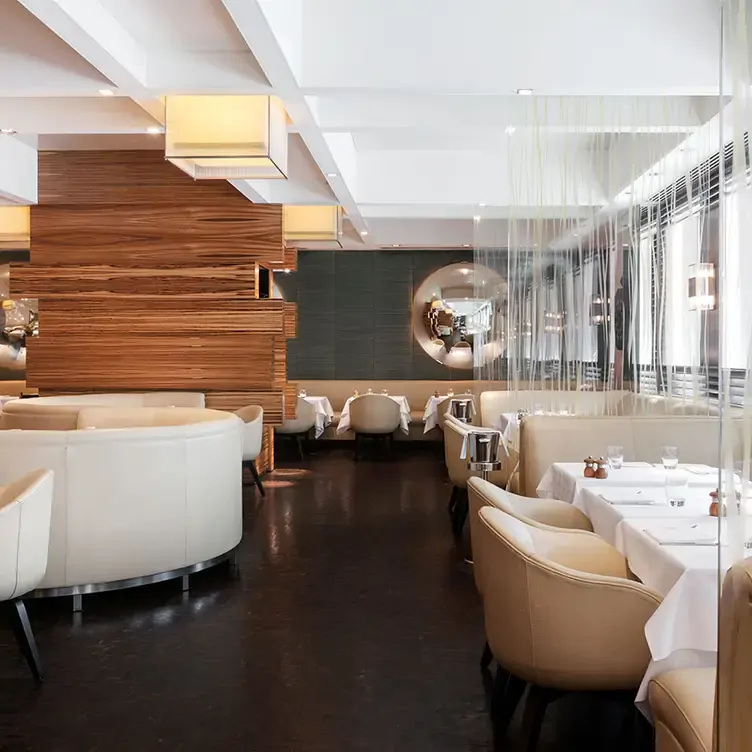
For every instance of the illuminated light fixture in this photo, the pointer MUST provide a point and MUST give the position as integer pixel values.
(227, 137)
(15, 227)
(9, 305)
(597, 311)
(107, 92)
(395, 245)
(701, 287)
(8, 131)
(312, 223)
(154, 130)
(525, 92)
(331, 174)
(510, 129)
(466, 245)
(476, 218)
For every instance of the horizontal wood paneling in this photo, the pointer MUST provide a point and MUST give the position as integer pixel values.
(159, 361)
(159, 235)
(291, 320)
(291, 399)
(271, 401)
(291, 258)
(203, 284)
(148, 280)
(177, 316)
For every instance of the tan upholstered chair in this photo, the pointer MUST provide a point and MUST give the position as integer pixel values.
(547, 513)
(25, 509)
(686, 703)
(253, 417)
(561, 615)
(459, 473)
(374, 415)
(298, 427)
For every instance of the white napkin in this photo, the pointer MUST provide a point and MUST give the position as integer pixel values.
(702, 533)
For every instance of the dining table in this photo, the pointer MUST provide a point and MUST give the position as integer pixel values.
(324, 413)
(679, 551)
(401, 400)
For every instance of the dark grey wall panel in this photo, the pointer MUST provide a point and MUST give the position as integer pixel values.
(354, 314)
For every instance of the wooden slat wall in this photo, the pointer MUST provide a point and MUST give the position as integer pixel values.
(149, 280)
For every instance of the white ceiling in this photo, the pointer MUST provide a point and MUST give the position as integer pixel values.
(400, 110)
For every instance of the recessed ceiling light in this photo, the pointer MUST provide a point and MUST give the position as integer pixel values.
(364, 232)
(154, 130)
(524, 92)
(107, 92)
(466, 245)
(476, 218)
(510, 129)
(331, 174)
(8, 131)
(395, 245)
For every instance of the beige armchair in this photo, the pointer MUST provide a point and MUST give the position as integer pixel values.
(687, 703)
(561, 615)
(253, 434)
(374, 415)
(298, 428)
(537, 512)
(459, 473)
(25, 510)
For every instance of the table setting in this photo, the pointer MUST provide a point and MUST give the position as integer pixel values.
(401, 400)
(324, 411)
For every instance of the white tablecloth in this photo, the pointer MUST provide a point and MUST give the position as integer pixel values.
(344, 420)
(431, 413)
(565, 480)
(324, 413)
(684, 568)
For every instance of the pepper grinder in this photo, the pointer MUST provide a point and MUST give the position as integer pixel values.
(601, 471)
(589, 467)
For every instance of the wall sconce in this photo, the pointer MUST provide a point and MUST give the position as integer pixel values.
(598, 311)
(312, 223)
(701, 287)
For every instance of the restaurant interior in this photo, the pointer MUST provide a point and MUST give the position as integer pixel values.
(374, 376)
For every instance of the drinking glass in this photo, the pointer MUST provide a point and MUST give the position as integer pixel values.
(615, 457)
(450, 392)
(370, 390)
(670, 457)
(385, 392)
(303, 393)
(468, 391)
(677, 486)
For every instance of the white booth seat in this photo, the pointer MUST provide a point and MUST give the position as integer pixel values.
(547, 439)
(144, 491)
(612, 402)
(60, 413)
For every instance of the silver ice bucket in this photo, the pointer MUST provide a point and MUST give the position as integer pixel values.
(483, 450)
(462, 409)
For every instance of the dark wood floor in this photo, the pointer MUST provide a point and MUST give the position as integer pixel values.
(354, 626)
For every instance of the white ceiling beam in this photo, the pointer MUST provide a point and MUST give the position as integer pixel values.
(257, 32)
(93, 33)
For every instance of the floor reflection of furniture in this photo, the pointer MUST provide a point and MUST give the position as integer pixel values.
(374, 416)
(300, 426)
(25, 506)
(685, 702)
(140, 494)
(253, 434)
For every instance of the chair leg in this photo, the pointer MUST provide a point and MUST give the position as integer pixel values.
(463, 506)
(507, 693)
(299, 437)
(452, 501)
(538, 699)
(256, 477)
(486, 658)
(24, 635)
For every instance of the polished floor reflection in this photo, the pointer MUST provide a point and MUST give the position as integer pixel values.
(353, 626)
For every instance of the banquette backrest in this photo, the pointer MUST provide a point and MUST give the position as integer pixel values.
(61, 413)
(137, 491)
(548, 439)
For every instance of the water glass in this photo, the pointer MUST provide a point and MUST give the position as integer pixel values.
(615, 457)
(677, 486)
(450, 392)
(370, 390)
(670, 457)
(385, 392)
(302, 394)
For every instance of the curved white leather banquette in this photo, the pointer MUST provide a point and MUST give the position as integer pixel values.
(143, 491)
(61, 413)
